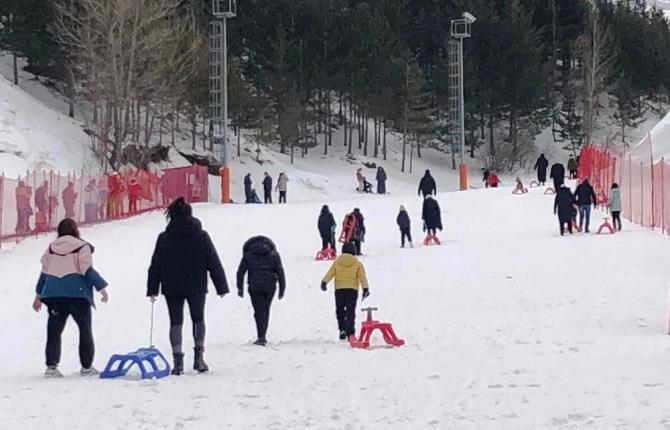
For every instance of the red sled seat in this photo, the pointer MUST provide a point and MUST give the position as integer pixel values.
(326, 254)
(367, 329)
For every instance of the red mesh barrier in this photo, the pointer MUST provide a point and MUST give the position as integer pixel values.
(36, 202)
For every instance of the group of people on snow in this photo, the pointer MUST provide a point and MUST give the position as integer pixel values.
(251, 196)
(568, 204)
(366, 187)
(557, 172)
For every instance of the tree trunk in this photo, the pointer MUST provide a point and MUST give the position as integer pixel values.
(172, 129)
(194, 130)
(411, 157)
(418, 147)
(384, 142)
(351, 126)
(492, 145)
(15, 67)
(376, 142)
(239, 142)
(329, 120)
(339, 113)
(366, 121)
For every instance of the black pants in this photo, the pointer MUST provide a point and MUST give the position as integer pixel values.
(196, 307)
(345, 310)
(616, 220)
(558, 183)
(565, 220)
(282, 197)
(431, 231)
(267, 196)
(359, 246)
(60, 308)
(327, 242)
(261, 301)
(405, 233)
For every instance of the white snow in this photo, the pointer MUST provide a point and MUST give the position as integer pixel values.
(660, 140)
(508, 326)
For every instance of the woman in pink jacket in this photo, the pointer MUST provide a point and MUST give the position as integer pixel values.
(65, 286)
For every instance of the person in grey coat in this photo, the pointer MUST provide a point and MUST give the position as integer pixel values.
(614, 205)
(282, 186)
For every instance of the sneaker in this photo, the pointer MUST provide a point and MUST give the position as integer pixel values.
(343, 335)
(91, 371)
(261, 342)
(52, 372)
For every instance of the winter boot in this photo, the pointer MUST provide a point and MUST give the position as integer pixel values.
(199, 361)
(178, 368)
(261, 342)
(52, 372)
(91, 371)
(343, 335)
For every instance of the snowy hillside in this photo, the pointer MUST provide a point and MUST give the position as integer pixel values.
(508, 326)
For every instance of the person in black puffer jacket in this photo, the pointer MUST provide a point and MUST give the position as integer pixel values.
(263, 263)
(326, 225)
(405, 225)
(183, 256)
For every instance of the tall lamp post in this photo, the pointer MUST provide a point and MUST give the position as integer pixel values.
(218, 83)
(461, 29)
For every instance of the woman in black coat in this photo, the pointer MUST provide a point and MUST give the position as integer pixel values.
(359, 230)
(404, 223)
(183, 256)
(381, 181)
(262, 261)
(431, 215)
(326, 225)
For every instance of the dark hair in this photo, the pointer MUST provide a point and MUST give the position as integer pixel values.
(349, 248)
(325, 209)
(615, 185)
(68, 227)
(177, 208)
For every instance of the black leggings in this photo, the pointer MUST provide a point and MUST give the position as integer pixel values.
(282, 197)
(60, 308)
(268, 197)
(616, 220)
(196, 307)
(345, 310)
(359, 248)
(261, 301)
(405, 233)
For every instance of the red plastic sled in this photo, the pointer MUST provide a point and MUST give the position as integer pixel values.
(347, 228)
(534, 184)
(431, 240)
(549, 191)
(368, 327)
(326, 254)
(606, 226)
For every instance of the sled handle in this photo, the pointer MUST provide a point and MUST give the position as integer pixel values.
(369, 311)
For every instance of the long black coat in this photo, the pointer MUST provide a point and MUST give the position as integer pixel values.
(541, 167)
(427, 185)
(183, 255)
(262, 262)
(326, 224)
(247, 187)
(563, 204)
(267, 185)
(381, 181)
(403, 220)
(431, 214)
(359, 229)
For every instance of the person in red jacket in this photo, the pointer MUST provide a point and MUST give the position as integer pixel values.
(492, 180)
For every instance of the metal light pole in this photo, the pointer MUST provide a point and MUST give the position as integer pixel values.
(218, 78)
(461, 29)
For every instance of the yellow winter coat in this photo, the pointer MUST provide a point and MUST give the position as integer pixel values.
(348, 272)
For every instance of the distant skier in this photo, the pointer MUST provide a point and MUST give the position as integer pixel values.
(326, 225)
(558, 175)
(363, 185)
(405, 226)
(427, 186)
(183, 256)
(247, 188)
(282, 187)
(585, 197)
(262, 261)
(431, 216)
(572, 167)
(349, 275)
(358, 236)
(541, 166)
(267, 188)
(564, 207)
(66, 286)
(69, 197)
(381, 180)
(614, 205)
(493, 180)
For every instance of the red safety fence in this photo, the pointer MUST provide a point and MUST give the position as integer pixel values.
(644, 184)
(35, 203)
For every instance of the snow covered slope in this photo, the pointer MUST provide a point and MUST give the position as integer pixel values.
(508, 326)
(33, 136)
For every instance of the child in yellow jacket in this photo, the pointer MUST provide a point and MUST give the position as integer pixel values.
(349, 276)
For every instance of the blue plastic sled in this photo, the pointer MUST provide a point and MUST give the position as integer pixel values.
(147, 359)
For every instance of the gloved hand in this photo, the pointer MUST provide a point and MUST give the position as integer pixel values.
(366, 293)
(280, 295)
(323, 286)
(240, 292)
